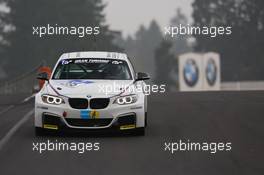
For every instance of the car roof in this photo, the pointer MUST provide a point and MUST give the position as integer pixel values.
(93, 54)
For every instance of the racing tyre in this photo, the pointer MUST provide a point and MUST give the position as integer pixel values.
(39, 131)
(146, 119)
(140, 131)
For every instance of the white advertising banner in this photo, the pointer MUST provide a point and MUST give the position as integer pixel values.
(190, 72)
(199, 72)
(212, 74)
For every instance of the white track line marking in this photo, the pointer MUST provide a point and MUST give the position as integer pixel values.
(6, 109)
(28, 98)
(13, 130)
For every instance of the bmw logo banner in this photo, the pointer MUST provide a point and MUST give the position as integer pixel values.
(211, 72)
(212, 78)
(190, 72)
(199, 72)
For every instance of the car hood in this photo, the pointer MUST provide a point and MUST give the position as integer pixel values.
(88, 88)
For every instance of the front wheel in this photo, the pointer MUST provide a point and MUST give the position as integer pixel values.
(39, 131)
(140, 131)
(146, 119)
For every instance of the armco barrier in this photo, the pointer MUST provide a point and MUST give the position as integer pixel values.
(25, 83)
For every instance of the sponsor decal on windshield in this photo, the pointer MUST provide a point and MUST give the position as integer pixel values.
(65, 62)
(117, 62)
(81, 61)
(90, 60)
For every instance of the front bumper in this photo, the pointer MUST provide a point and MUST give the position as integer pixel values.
(114, 116)
(124, 122)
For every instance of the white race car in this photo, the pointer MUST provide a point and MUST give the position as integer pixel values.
(92, 91)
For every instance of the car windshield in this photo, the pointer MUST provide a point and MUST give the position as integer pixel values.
(106, 69)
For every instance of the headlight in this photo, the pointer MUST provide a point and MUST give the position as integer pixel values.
(50, 99)
(126, 100)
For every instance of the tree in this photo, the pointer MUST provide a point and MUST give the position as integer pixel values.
(165, 62)
(141, 48)
(180, 42)
(242, 51)
(24, 50)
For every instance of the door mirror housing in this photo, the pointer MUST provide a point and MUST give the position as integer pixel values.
(43, 76)
(140, 76)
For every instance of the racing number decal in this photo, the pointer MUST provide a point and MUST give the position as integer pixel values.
(94, 114)
(84, 114)
(87, 114)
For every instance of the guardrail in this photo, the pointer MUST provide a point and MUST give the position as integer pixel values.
(25, 83)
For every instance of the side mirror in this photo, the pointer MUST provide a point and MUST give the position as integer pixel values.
(43, 76)
(142, 76)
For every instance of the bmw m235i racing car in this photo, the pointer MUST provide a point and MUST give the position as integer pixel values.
(92, 91)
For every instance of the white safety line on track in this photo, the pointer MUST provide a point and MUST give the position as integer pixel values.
(13, 130)
(28, 98)
(6, 109)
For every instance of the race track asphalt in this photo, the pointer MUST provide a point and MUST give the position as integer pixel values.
(236, 117)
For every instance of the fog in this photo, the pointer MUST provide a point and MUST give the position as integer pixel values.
(127, 15)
